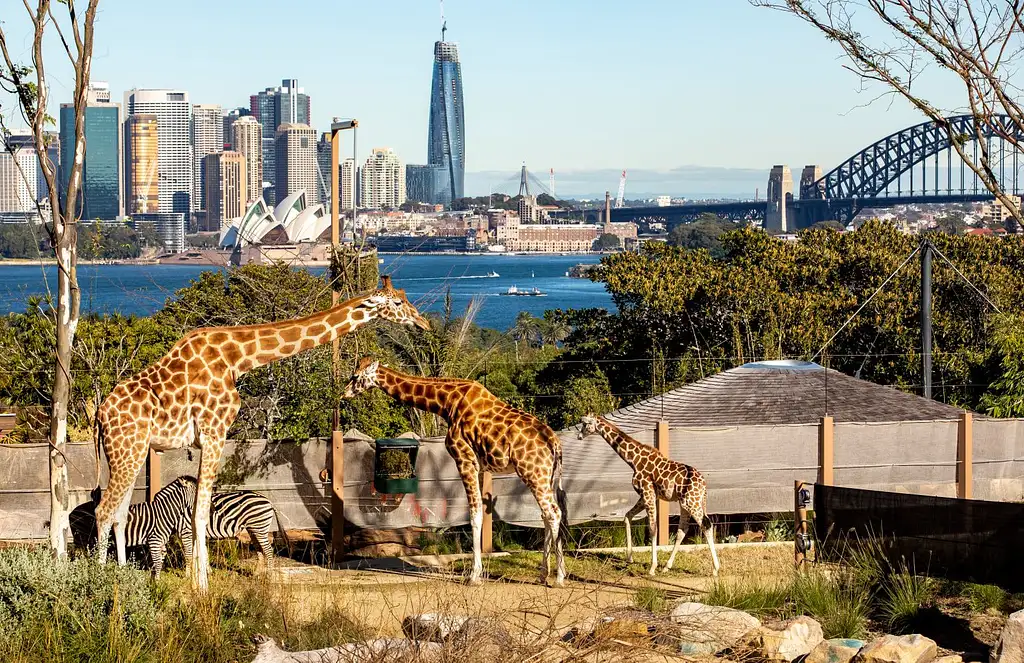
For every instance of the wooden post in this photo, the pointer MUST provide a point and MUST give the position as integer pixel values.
(487, 530)
(800, 522)
(964, 457)
(826, 449)
(337, 495)
(661, 443)
(152, 475)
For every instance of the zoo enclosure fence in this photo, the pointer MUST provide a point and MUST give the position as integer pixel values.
(749, 469)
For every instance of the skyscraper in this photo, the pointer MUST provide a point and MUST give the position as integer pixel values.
(101, 195)
(296, 162)
(207, 138)
(225, 189)
(247, 139)
(18, 184)
(228, 120)
(142, 164)
(423, 182)
(287, 104)
(382, 180)
(173, 112)
(347, 180)
(18, 141)
(446, 145)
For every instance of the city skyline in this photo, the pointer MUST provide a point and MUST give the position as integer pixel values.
(665, 88)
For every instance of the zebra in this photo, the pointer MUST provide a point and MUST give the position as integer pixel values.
(151, 524)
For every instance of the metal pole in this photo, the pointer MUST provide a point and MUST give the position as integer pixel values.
(926, 317)
(355, 177)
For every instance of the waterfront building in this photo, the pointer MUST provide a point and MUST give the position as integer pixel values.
(296, 162)
(382, 180)
(225, 189)
(207, 138)
(446, 146)
(426, 183)
(142, 159)
(247, 140)
(18, 183)
(169, 226)
(101, 193)
(175, 162)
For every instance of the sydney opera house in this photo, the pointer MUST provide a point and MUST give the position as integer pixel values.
(291, 222)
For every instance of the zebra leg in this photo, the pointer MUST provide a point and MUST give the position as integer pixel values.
(266, 550)
(156, 555)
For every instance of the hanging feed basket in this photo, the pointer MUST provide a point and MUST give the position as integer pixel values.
(394, 466)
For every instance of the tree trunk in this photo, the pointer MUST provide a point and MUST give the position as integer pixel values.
(68, 305)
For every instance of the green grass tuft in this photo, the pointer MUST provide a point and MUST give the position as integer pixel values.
(651, 599)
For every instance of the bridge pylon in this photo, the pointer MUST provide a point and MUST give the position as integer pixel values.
(780, 194)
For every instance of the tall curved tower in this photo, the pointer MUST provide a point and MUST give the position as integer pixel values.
(446, 144)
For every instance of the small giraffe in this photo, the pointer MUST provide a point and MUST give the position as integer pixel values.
(188, 398)
(655, 476)
(484, 434)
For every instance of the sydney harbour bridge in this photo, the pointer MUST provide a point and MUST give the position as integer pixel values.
(915, 165)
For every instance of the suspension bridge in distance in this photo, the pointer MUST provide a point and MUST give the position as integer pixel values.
(917, 165)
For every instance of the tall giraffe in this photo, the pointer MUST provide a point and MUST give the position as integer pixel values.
(656, 476)
(188, 398)
(484, 434)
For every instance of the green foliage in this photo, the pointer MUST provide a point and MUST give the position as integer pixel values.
(21, 240)
(836, 600)
(395, 464)
(704, 233)
(695, 315)
(97, 241)
(903, 595)
(651, 599)
(606, 242)
(986, 597)
(1005, 396)
(779, 528)
(759, 599)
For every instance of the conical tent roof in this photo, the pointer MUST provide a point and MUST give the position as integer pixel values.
(780, 392)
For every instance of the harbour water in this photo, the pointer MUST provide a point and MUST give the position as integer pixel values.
(144, 289)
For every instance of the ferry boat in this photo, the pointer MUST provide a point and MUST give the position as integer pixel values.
(493, 274)
(516, 292)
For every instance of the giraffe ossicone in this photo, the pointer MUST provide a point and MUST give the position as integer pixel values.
(188, 398)
(656, 476)
(484, 434)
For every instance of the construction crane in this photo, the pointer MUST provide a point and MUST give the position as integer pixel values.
(622, 190)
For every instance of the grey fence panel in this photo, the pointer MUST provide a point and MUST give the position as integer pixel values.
(907, 457)
(998, 459)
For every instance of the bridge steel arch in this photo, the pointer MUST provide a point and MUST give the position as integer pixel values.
(868, 173)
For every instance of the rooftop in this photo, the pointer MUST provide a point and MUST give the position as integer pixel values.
(777, 393)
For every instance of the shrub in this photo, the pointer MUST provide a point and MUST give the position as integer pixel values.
(652, 599)
(395, 464)
(72, 609)
(986, 597)
(839, 604)
(756, 598)
(903, 595)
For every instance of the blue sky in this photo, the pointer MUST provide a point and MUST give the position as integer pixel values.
(587, 87)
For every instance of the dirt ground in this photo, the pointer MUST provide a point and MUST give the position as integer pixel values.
(382, 596)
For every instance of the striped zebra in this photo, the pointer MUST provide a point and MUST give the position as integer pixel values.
(151, 524)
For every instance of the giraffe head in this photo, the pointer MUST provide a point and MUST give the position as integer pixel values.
(391, 304)
(588, 425)
(363, 378)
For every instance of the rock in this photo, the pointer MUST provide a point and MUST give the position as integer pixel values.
(952, 658)
(750, 537)
(796, 638)
(632, 631)
(1010, 646)
(386, 650)
(580, 632)
(898, 649)
(432, 627)
(838, 650)
(707, 629)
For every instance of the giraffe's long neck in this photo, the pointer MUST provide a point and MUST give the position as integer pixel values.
(436, 395)
(263, 344)
(627, 448)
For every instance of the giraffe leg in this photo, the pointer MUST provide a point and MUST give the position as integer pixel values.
(630, 515)
(684, 525)
(709, 535)
(209, 458)
(551, 514)
(120, 525)
(650, 503)
(114, 501)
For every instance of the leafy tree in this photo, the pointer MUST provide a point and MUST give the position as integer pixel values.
(1005, 396)
(951, 223)
(829, 224)
(704, 233)
(20, 240)
(607, 241)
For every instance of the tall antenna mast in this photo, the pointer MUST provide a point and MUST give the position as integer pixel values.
(444, 25)
(552, 178)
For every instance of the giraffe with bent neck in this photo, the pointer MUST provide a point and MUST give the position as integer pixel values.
(188, 398)
(484, 434)
(655, 476)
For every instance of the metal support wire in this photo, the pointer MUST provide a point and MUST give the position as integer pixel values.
(966, 280)
(866, 302)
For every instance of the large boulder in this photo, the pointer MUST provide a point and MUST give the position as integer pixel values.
(434, 627)
(838, 650)
(1010, 647)
(898, 649)
(707, 629)
(796, 638)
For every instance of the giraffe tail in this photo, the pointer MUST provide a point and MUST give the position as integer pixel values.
(97, 440)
